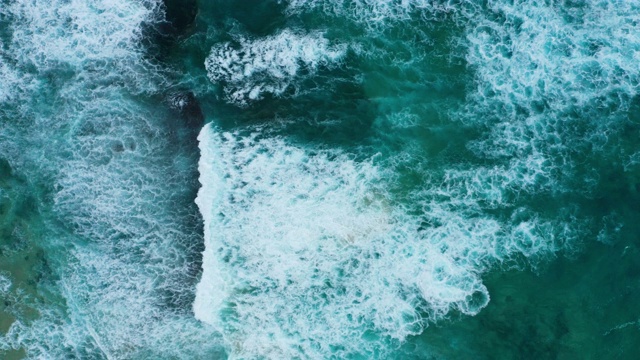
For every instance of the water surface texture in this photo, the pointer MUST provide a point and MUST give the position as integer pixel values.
(319, 179)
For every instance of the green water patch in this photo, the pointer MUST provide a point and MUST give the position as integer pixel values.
(578, 304)
(23, 264)
(578, 308)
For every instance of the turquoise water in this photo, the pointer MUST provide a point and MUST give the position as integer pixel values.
(319, 179)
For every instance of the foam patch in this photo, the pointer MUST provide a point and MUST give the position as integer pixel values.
(309, 255)
(248, 69)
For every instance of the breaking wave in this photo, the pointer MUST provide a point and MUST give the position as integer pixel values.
(309, 255)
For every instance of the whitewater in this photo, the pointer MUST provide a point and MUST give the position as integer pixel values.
(319, 179)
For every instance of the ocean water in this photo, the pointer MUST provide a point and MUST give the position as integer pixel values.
(319, 179)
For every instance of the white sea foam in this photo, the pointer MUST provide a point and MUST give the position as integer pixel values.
(9, 80)
(524, 51)
(83, 31)
(410, 267)
(5, 283)
(126, 262)
(115, 240)
(563, 56)
(535, 63)
(309, 255)
(541, 69)
(250, 68)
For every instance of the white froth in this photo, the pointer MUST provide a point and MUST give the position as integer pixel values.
(538, 65)
(118, 244)
(538, 54)
(9, 80)
(130, 241)
(307, 254)
(5, 283)
(250, 68)
(76, 32)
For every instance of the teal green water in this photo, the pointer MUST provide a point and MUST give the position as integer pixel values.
(376, 179)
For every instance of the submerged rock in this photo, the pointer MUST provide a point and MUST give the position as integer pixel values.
(188, 107)
(179, 16)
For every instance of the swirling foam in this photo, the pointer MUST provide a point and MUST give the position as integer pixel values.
(553, 79)
(536, 56)
(9, 80)
(248, 69)
(309, 255)
(115, 179)
(5, 284)
(84, 32)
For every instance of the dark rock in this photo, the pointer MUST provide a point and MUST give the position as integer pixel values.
(179, 16)
(187, 105)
